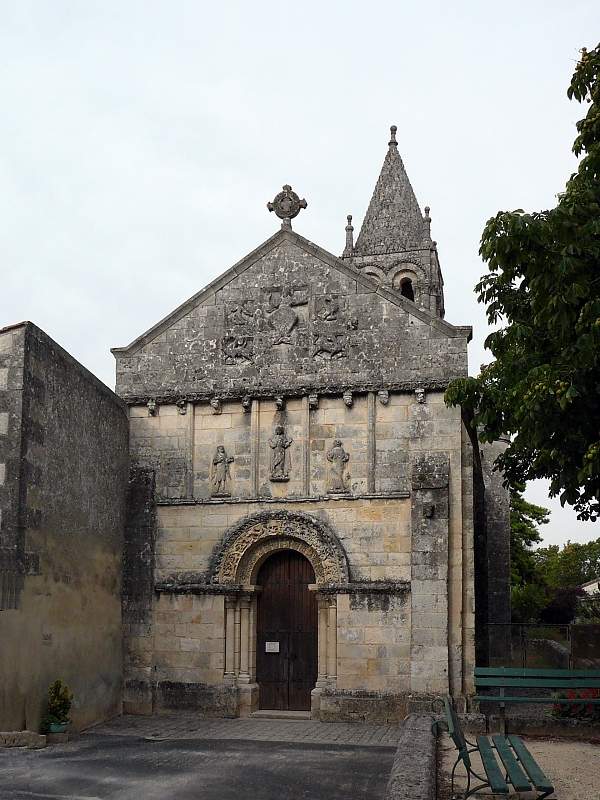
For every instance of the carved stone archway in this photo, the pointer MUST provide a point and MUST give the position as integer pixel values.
(236, 562)
(246, 545)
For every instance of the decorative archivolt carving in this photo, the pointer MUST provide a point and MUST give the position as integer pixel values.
(253, 559)
(249, 542)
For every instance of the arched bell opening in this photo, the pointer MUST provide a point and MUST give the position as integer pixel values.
(407, 290)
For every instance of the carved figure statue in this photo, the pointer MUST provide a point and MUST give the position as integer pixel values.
(338, 458)
(280, 458)
(219, 472)
(327, 309)
(282, 318)
(238, 348)
(329, 346)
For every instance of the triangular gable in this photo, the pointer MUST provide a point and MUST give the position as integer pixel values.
(367, 284)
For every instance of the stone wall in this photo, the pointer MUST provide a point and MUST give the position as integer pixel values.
(62, 525)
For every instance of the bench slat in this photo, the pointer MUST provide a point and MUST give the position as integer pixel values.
(550, 683)
(527, 672)
(497, 698)
(516, 775)
(541, 782)
(490, 765)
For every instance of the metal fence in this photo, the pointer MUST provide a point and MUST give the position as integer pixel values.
(544, 646)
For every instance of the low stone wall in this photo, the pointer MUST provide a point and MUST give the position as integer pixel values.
(359, 706)
(22, 739)
(414, 772)
(554, 654)
(559, 728)
(210, 701)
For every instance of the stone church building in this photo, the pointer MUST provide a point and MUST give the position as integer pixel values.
(306, 525)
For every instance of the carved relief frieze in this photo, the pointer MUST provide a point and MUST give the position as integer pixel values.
(237, 349)
(279, 307)
(330, 327)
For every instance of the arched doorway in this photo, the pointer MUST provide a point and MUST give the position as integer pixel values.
(286, 652)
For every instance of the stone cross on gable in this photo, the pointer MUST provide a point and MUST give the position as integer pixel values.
(286, 206)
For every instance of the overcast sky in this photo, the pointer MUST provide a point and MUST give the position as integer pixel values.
(141, 141)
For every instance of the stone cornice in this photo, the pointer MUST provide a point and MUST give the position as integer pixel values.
(217, 501)
(264, 392)
(195, 585)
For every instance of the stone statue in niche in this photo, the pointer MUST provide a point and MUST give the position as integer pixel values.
(280, 458)
(338, 458)
(220, 474)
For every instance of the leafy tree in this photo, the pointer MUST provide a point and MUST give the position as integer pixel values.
(528, 601)
(542, 392)
(570, 567)
(525, 517)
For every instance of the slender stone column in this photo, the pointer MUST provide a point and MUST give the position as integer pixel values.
(306, 448)
(189, 474)
(237, 639)
(230, 604)
(322, 649)
(245, 602)
(371, 442)
(255, 445)
(332, 641)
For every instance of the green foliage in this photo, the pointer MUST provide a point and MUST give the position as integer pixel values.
(572, 566)
(542, 391)
(588, 609)
(525, 518)
(546, 589)
(527, 601)
(58, 704)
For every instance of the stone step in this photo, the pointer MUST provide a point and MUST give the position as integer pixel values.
(276, 714)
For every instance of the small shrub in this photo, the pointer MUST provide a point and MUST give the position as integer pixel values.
(58, 705)
(583, 710)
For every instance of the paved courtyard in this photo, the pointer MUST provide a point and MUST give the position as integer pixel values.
(182, 757)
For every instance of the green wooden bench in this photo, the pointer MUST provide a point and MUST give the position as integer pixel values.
(505, 761)
(503, 678)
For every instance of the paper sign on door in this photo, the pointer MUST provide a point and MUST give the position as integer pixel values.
(271, 647)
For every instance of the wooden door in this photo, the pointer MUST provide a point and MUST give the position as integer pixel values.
(286, 656)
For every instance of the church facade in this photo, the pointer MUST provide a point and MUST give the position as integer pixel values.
(276, 510)
(301, 510)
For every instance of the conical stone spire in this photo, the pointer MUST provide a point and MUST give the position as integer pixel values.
(393, 222)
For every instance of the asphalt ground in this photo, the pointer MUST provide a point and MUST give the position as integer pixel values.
(98, 766)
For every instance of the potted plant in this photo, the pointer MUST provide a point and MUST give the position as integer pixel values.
(58, 706)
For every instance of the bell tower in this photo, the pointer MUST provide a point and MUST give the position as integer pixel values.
(394, 245)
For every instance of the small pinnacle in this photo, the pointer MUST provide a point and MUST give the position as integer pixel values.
(427, 210)
(349, 218)
(392, 142)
